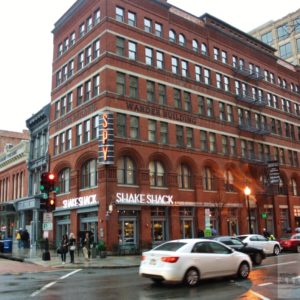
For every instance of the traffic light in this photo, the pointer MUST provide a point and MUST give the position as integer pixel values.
(51, 204)
(47, 183)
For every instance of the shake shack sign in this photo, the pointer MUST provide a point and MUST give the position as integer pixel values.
(144, 199)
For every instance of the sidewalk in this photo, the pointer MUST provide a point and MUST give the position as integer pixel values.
(35, 257)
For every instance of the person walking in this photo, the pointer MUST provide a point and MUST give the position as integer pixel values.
(86, 247)
(64, 248)
(72, 247)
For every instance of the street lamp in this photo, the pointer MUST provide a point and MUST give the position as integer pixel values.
(247, 193)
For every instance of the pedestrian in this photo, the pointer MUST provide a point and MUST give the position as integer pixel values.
(213, 231)
(266, 233)
(18, 238)
(72, 247)
(25, 238)
(200, 233)
(86, 247)
(64, 248)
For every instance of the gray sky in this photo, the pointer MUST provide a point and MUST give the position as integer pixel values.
(26, 45)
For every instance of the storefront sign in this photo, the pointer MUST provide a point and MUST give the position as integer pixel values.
(80, 201)
(106, 139)
(144, 199)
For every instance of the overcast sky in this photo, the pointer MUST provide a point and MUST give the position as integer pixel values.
(26, 45)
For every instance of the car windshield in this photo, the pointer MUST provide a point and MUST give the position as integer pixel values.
(174, 246)
(242, 237)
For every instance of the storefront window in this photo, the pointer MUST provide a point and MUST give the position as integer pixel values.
(186, 222)
(158, 224)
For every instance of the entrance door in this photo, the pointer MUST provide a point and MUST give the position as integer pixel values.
(61, 229)
(92, 228)
(127, 231)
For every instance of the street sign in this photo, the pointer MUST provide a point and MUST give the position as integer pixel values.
(273, 172)
(47, 226)
(264, 215)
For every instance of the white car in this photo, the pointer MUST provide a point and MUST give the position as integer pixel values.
(189, 260)
(260, 242)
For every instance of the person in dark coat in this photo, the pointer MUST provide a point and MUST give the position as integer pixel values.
(25, 238)
(64, 248)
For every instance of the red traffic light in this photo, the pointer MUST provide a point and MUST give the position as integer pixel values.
(51, 176)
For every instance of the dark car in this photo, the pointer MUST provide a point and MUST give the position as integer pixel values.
(290, 242)
(256, 255)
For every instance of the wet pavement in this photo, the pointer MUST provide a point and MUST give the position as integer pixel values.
(34, 257)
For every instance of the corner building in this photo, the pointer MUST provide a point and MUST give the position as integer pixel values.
(160, 119)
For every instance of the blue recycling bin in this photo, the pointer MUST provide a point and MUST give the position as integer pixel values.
(7, 246)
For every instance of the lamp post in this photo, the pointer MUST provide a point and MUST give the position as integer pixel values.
(247, 192)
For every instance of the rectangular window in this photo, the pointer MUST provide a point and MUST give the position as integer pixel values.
(162, 94)
(212, 142)
(174, 65)
(80, 60)
(72, 38)
(229, 113)
(87, 131)
(63, 105)
(131, 18)
(57, 110)
(121, 84)
(283, 31)
(224, 57)
(71, 68)
(120, 14)
(163, 133)
(121, 125)
(159, 60)
(134, 127)
(56, 145)
(132, 50)
(187, 101)
(232, 146)
(203, 141)
(147, 25)
(201, 109)
(95, 128)
(177, 98)
(209, 108)
(66, 44)
(97, 16)
(89, 24)
(133, 87)
(120, 46)
(87, 90)
(79, 94)
(62, 140)
(69, 139)
(224, 145)
(216, 54)
(267, 38)
(285, 50)
(189, 137)
(96, 85)
(149, 56)
(152, 131)
(226, 82)
(150, 91)
(184, 68)
(96, 47)
(219, 82)
(82, 30)
(179, 135)
(206, 76)
(198, 73)
(222, 114)
(158, 29)
(69, 101)
(78, 134)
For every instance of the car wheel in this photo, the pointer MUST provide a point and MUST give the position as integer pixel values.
(191, 277)
(243, 271)
(257, 259)
(276, 250)
(298, 249)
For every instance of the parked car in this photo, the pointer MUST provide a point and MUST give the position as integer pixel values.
(256, 255)
(189, 260)
(290, 242)
(260, 242)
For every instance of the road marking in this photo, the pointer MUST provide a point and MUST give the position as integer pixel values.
(275, 265)
(264, 284)
(259, 295)
(52, 283)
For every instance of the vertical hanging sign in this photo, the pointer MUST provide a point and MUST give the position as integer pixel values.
(106, 139)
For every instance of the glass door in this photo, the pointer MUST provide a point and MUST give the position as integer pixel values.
(127, 231)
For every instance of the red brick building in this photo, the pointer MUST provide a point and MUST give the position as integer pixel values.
(160, 119)
(9, 139)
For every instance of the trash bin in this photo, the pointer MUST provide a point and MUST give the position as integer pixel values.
(7, 246)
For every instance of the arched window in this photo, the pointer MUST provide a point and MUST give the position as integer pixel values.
(126, 171)
(172, 36)
(157, 173)
(181, 39)
(294, 187)
(208, 182)
(64, 181)
(89, 174)
(204, 49)
(195, 45)
(228, 179)
(184, 177)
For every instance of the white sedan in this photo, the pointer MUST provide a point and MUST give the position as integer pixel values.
(189, 260)
(260, 242)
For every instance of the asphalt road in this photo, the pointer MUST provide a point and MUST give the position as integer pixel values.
(277, 278)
